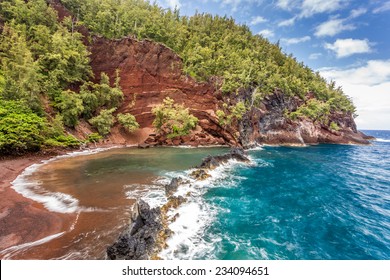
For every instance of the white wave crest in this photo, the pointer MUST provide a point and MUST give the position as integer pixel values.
(382, 140)
(53, 201)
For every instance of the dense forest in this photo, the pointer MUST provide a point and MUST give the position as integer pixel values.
(46, 80)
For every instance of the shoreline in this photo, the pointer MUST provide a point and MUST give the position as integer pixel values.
(23, 220)
(19, 214)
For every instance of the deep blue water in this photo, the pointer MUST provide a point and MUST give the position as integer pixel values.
(319, 202)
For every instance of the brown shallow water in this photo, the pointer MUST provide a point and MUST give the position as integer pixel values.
(93, 195)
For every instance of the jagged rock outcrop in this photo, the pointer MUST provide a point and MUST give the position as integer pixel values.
(139, 241)
(268, 124)
(212, 162)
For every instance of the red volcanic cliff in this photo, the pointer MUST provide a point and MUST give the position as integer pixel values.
(150, 72)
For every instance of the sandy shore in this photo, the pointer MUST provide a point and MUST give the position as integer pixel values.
(21, 219)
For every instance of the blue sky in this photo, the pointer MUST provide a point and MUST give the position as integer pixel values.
(347, 41)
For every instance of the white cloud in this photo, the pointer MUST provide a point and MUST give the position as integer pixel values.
(374, 72)
(287, 22)
(368, 86)
(335, 26)
(293, 41)
(312, 7)
(348, 47)
(332, 27)
(257, 20)
(287, 4)
(357, 12)
(383, 8)
(171, 4)
(266, 33)
(315, 56)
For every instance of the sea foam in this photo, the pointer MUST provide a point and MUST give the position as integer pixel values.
(53, 201)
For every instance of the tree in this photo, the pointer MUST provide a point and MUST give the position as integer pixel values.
(71, 107)
(19, 70)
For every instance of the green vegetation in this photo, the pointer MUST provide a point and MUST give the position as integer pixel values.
(20, 129)
(231, 113)
(313, 109)
(41, 60)
(45, 72)
(173, 119)
(128, 121)
(104, 121)
(334, 126)
(210, 46)
(94, 137)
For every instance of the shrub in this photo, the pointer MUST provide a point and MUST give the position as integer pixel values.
(104, 121)
(94, 137)
(334, 126)
(21, 130)
(173, 119)
(128, 121)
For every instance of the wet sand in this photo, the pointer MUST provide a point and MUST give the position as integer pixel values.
(23, 220)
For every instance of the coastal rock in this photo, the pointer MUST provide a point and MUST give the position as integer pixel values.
(139, 241)
(200, 174)
(171, 188)
(212, 162)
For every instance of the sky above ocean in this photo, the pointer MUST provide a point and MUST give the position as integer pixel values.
(346, 41)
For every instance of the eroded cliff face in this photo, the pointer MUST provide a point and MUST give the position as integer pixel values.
(268, 124)
(150, 72)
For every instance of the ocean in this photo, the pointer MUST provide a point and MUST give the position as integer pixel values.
(292, 203)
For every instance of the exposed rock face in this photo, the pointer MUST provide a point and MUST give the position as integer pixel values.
(139, 241)
(212, 162)
(172, 187)
(150, 72)
(269, 125)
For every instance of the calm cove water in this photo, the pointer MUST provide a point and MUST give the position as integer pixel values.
(318, 202)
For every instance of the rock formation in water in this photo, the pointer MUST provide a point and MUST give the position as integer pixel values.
(139, 241)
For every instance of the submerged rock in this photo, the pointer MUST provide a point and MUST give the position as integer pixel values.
(138, 242)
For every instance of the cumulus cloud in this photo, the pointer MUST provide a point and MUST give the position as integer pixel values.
(312, 7)
(293, 41)
(374, 72)
(266, 33)
(348, 47)
(368, 85)
(257, 20)
(383, 8)
(333, 27)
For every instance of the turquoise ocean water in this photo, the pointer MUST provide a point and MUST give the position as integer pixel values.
(318, 202)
